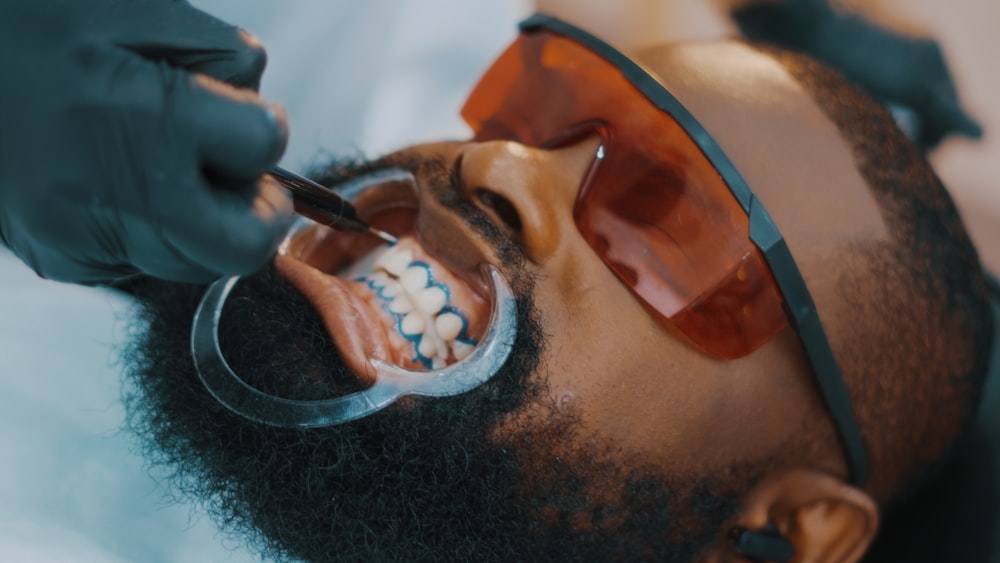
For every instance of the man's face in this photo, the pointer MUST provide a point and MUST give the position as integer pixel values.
(630, 382)
(610, 410)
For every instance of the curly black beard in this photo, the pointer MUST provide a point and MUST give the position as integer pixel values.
(423, 480)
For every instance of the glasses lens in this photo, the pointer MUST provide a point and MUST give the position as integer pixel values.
(654, 208)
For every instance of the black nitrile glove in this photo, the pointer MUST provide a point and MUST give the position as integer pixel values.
(119, 154)
(901, 71)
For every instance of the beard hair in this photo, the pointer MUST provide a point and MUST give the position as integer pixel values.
(423, 480)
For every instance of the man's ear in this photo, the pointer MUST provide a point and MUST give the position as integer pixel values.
(823, 518)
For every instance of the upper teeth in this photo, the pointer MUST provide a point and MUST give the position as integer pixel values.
(395, 261)
(420, 305)
(414, 279)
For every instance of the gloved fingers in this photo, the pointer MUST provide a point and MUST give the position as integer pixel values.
(58, 264)
(965, 125)
(950, 117)
(186, 37)
(944, 109)
(157, 211)
(214, 205)
(84, 272)
(161, 259)
(929, 87)
(100, 245)
(61, 241)
(130, 244)
(158, 260)
(228, 231)
(237, 135)
(940, 118)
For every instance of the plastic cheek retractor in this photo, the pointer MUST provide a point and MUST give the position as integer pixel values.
(391, 382)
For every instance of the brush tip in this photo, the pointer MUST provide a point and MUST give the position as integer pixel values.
(383, 235)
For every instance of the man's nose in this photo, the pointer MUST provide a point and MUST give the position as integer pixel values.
(528, 191)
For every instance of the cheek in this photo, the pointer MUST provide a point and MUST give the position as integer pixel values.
(609, 363)
(651, 396)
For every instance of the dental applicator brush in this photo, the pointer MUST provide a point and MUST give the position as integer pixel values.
(324, 206)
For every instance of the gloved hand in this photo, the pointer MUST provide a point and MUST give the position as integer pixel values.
(121, 148)
(901, 71)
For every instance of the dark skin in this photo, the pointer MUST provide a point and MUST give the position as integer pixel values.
(350, 492)
(633, 439)
(678, 410)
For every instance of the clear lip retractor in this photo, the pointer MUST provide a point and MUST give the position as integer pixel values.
(391, 382)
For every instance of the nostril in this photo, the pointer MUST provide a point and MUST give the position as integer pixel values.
(501, 207)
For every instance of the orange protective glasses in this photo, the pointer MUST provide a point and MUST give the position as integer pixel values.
(654, 208)
(663, 207)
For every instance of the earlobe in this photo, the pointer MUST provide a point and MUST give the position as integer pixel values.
(823, 518)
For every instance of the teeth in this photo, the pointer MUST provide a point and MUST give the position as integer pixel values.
(408, 290)
(412, 324)
(448, 326)
(395, 261)
(431, 300)
(461, 349)
(427, 347)
(414, 279)
(378, 280)
(391, 288)
(401, 305)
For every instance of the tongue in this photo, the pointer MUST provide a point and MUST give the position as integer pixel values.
(355, 327)
(359, 323)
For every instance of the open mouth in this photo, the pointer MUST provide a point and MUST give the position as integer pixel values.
(400, 303)
(458, 338)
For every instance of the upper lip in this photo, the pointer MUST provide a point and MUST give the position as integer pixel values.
(444, 234)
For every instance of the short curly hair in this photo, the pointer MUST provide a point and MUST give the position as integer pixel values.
(916, 371)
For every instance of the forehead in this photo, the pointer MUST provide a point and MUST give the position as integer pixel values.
(791, 155)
